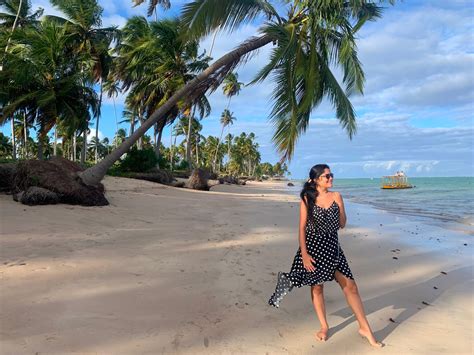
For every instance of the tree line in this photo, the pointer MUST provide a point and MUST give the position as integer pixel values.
(55, 71)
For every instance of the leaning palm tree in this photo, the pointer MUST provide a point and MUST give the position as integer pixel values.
(309, 39)
(226, 120)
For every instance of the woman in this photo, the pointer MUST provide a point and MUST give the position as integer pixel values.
(320, 257)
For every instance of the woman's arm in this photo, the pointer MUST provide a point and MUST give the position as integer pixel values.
(342, 214)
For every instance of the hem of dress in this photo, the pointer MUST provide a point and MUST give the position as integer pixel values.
(299, 285)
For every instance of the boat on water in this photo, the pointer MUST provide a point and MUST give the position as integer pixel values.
(397, 181)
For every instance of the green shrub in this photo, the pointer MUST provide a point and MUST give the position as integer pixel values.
(164, 163)
(139, 161)
(183, 165)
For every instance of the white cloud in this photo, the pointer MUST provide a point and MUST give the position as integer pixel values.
(114, 20)
(92, 134)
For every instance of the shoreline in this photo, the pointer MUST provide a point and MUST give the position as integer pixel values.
(458, 224)
(170, 270)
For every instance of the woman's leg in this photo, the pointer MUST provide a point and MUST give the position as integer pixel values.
(351, 292)
(317, 297)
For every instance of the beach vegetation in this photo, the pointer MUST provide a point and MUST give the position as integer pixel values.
(55, 71)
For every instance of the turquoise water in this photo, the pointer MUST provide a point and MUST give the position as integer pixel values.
(449, 199)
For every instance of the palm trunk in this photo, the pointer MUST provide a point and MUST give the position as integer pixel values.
(140, 139)
(213, 40)
(188, 139)
(74, 146)
(116, 121)
(25, 135)
(13, 139)
(97, 124)
(158, 140)
(13, 29)
(217, 149)
(84, 147)
(171, 148)
(197, 150)
(40, 147)
(55, 149)
(96, 173)
(132, 125)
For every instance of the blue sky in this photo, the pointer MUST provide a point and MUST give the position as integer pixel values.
(416, 113)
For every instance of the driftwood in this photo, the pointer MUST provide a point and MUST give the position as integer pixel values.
(159, 176)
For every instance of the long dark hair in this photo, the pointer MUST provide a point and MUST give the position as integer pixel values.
(309, 188)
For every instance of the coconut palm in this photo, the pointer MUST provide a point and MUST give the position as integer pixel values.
(91, 41)
(152, 6)
(22, 127)
(6, 148)
(120, 136)
(42, 80)
(153, 62)
(17, 15)
(226, 120)
(112, 88)
(309, 38)
(231, 86)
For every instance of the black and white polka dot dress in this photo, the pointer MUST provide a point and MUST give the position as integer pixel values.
(322, 244)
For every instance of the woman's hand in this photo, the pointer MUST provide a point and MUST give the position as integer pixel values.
(308, 262)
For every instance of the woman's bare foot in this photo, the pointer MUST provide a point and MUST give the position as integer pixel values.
(370, 337)
(322, 334)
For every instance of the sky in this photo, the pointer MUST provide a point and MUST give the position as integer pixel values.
(416, 113)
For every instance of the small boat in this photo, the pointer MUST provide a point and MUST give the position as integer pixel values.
(397, 181)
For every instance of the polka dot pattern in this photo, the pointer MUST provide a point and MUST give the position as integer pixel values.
(322, 244)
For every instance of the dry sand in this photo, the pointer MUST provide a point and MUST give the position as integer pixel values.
(168, 270)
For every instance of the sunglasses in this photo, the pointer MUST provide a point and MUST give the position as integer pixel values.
(327, 176)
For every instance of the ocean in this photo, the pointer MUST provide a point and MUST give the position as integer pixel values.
(433, 199)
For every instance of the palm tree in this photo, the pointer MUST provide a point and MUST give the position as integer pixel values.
(310, 38)
(42, 80)
(6, 148)
(153, 62)
(18, 14)
(120, 136)
(226, 120)
(112, 89)
(22, 127)
(231, 86)
(228, 139)
(91, 41)
(165, 4)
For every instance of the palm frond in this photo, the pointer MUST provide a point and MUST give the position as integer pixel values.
(344, 110)
(201, 17)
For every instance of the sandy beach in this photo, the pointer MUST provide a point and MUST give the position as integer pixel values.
(163, 270)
